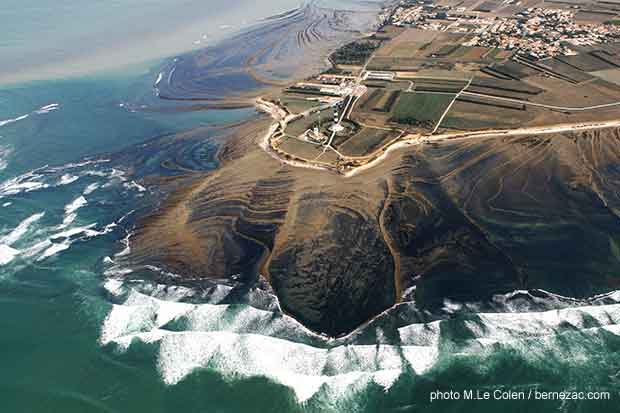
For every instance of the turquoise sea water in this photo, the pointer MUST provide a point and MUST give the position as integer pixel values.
(75, 339)
(60, 201)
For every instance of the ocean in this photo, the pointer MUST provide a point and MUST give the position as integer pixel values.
(78, 141)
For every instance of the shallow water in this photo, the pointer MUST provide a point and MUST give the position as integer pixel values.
(59, 38)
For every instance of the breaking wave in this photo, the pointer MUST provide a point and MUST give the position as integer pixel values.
(13, 120)
(41, 111)
(39, 235)
(5, 151)
(254, 338)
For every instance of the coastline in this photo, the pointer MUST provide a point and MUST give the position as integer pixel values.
(422, 220)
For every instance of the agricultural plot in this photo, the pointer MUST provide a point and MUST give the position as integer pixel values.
(491, 102)
(441, 85)
(441, 74)
(386, 101)
(586, 62)
(300, 148)
(298, 105)
(366, 141)
(563, 70)
(509, 70)
(594, 16)
(420, 109)
(469, 54)
(408, 43)
(487, 6)
(395, 63)
(561, 93)
(504, 88)
(612, 48)
(500, 54)
(507, 85)
(609, 55)
(610, 75)
(467, 115)
(368, 101)
(446, 50)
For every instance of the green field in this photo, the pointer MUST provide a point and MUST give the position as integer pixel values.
(298, 105)
(366, 141)
(299, 126)
(420, 109)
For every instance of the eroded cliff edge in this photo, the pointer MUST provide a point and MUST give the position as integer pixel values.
(461, 221)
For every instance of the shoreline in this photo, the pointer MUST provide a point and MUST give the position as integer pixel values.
(408, 140)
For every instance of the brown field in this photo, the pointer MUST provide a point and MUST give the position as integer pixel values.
(586, 62)
(502, 54)
(609, 75)
(473, 116)
(592, 16)
(371, 118)
(470, 53)
(395, 63)
(559, 92)
(441, 74)
(411, 37)
(300, 148)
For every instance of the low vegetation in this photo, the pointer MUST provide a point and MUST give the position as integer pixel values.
(420, 110)
(355, 53)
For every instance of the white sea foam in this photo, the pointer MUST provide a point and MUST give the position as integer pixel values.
(54, 249)
(47, 108)
(42, 110)
(115, 176)
(74, 165)
(86, 230)
(114, 287)
(13, 120)
(125, 242)
(60, 241)
(7, 204)
(67, 179)
(7, 254)
(238, 341)
(20, 184)
(21, 229)
(303, 368)
(76, 204)
(36, 248)
(496, 327)
(5, 152)
(27, 182)
(91, 188)
(243, 341)
(70, 210)
(134, 185)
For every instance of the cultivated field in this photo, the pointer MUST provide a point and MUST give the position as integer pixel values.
(420, 110)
